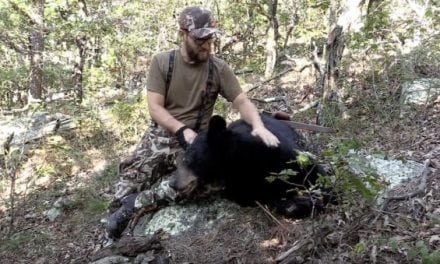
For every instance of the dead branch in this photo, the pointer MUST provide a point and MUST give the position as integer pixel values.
(315, 60)
(269, 100)
(11, 169)
(15, 111)
(12, 44)
(23, 13)
(432, 153)
(135, 219)
(131, 246)
(243, 71)
(435, 164)
(7, 144)
(307, 107)
(60, 124)
(270, 79)
(272, 216)
(286, 257)
(304, 67)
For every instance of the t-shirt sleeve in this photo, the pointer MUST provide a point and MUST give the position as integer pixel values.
(229, 85)
(155, 78)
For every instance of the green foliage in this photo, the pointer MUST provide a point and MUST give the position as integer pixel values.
(283, 175)
(422, 61)
(367, 186)
(18, 241)
(330, 114)
(123, 111)
(422, 251)
(350, 185)
(56, 77)
(375, 30)
(96, 206)
(124, 37)
(359, 248)
(90, 121)
(363, 185)
(45, 170)
(221, 107)
(394, 246)
(130, 118)
(309, 13)
(303, 160)
(98, 77)
(107, 177)
(341, 148)
(12, 83)
(89, 203)
(377, 22)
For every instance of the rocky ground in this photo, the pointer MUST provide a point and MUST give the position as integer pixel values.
(80, 184)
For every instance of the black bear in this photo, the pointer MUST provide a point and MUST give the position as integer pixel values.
(249, 170)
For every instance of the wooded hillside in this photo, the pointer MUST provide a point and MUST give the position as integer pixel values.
(73, 104)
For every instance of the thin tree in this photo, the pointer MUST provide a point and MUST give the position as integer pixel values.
(339, 27)
(36, 41)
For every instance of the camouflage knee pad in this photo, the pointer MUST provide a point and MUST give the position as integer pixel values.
(153, 158)
(160, 193)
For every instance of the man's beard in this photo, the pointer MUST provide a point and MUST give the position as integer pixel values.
(196, 54)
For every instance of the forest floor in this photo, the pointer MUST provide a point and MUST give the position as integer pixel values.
(77, 169)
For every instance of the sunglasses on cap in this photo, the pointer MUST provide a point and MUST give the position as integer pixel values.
(201, 41)
(202, 35)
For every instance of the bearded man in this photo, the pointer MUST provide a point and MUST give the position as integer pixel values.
(182, 88)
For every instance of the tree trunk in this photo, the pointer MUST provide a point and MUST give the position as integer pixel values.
(335, 48)
(36, 51)
(339, 26)
(78, 69)
(271, 53)
(81, 43)
(272, 39)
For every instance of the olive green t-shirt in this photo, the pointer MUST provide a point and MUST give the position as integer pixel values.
(187, 86)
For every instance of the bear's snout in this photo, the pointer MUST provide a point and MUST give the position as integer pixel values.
(183, 181)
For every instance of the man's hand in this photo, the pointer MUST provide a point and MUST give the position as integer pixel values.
(250, 114)
(268, 138)
(190, 135)
(185, 136)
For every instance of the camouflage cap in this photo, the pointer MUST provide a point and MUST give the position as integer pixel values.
(198, 21)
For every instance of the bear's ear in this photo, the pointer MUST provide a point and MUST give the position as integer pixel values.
(217, 125)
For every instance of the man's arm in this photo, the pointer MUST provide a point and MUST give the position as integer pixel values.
(250, 114)
(159, 114)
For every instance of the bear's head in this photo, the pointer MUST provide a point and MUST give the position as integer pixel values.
(201, 160)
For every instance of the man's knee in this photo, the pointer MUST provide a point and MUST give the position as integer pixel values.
(159, 194)
(124, 188)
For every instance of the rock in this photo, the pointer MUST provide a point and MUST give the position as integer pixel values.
(30, 216)
(144, 258)
(436, 214)
(420, 91)
(178, 218)
(26, 129)
(64, 202)
(53, 213)
(112, 260)
(390, 171)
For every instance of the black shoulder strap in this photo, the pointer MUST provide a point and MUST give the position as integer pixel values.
(168, 79)
(209, 83)
(170, 72)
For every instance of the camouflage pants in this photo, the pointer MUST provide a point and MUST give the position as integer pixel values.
(143, 172)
